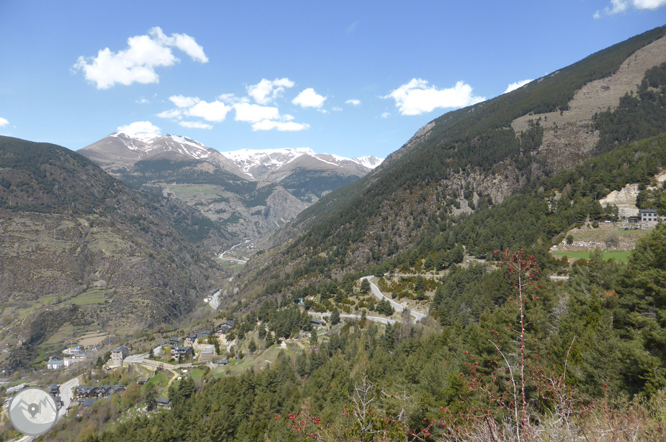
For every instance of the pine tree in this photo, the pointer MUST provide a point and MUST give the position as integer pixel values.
(335, 316)
(269, 339)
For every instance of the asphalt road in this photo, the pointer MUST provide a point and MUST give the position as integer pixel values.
(398, 307)
(234, 259)
(135, 359)
(66, 396)
(215, 302)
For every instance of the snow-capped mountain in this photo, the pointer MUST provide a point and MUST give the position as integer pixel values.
(257, 163)
(149, 143)
(249, 192)
(121, 150)
(370, 162)
(261, 163)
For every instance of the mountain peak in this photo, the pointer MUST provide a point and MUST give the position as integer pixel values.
(143, 137)
(258, 163)
(368, 161)
(124, 148)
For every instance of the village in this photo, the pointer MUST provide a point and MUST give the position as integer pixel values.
(86, 374)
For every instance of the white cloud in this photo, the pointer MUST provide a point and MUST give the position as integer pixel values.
(232, 99)
(265, 91)
(649, 4)
(416, 97)
(309, 98)
(261, 117)
(183, 42)
(3, 122)
(182, 101)
(195, 125)
(618, 6)
(142, 101)
(336, 108)
(141, 129)
(174, 113)
(386, 115)
(137, 63)
(282, 126)
(215, 111)
(253, 113)
(353, 102)
(518, 84)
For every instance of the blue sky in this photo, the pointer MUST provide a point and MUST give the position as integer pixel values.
(350, 78)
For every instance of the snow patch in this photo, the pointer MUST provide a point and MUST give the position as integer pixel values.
(273, 159)
(144, 137)
(187, 141)
(146, 143)
(369, 161)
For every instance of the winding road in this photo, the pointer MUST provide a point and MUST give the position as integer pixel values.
(66, 396)
(215, 302)
(234, 259)
(398, 307)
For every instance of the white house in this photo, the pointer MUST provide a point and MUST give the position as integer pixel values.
(55, 364)
(649, 215)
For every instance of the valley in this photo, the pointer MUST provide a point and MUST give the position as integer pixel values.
(502, 273)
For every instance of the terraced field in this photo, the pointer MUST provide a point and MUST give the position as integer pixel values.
(616, 243)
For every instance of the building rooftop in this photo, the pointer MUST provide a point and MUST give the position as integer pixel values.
(88, 402)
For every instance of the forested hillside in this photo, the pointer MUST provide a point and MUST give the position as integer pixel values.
(477, 138)
(76, 240)
(602, 331)
(439, 190)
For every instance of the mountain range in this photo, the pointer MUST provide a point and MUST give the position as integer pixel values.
(518, 173)
(249, 192)
(514, 171)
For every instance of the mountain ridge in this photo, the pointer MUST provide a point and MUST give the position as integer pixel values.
(463, 160)
(259, 163)
(72, 234)
(250, 192)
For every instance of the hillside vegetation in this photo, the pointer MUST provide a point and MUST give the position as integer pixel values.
(459, 222)
(73, 235)
(607, 343)
(437, 193)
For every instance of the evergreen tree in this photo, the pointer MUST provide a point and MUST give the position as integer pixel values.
(270, 340)
(149, 396)
(335, 316)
